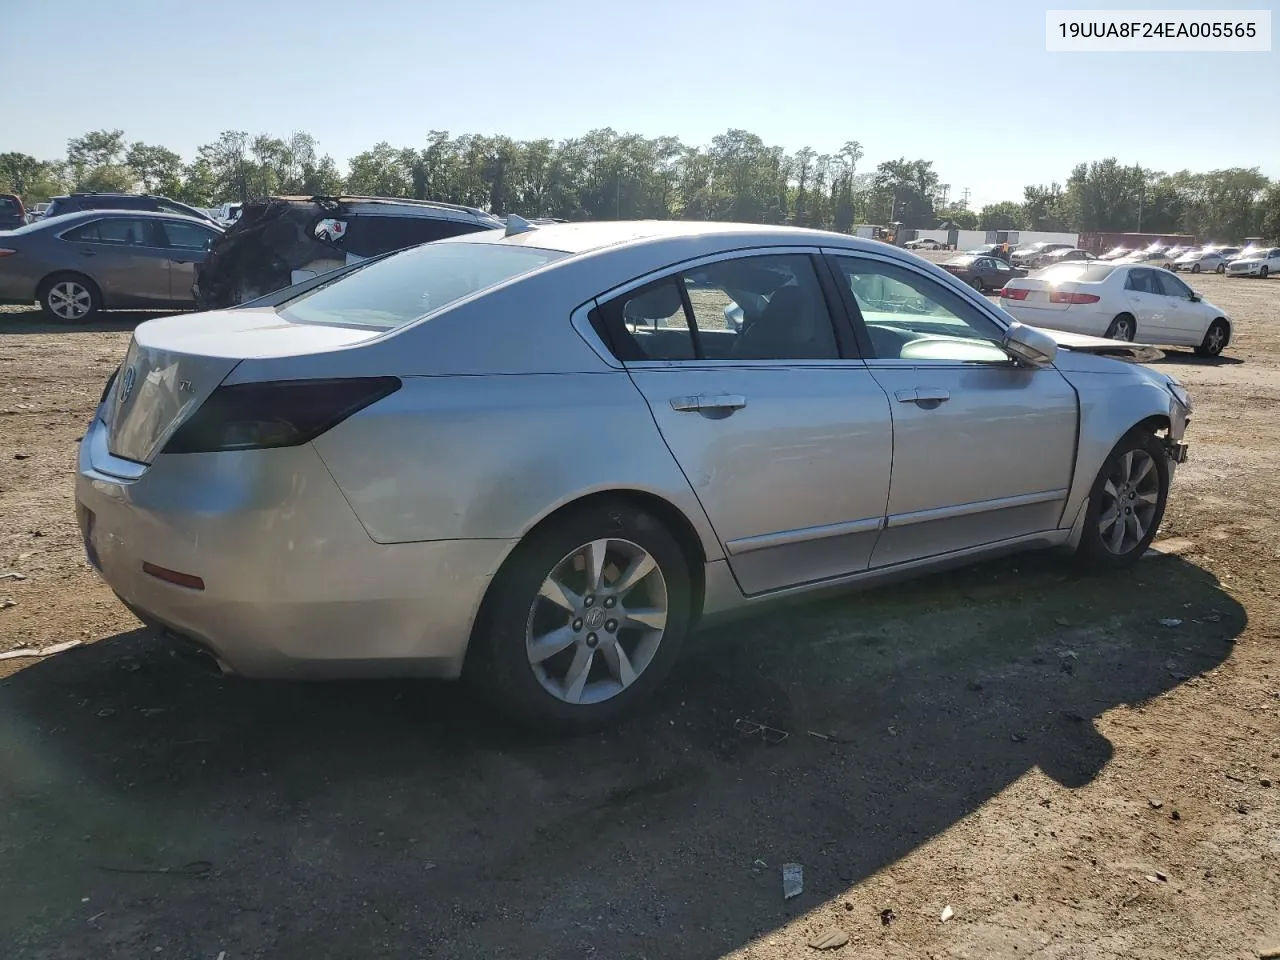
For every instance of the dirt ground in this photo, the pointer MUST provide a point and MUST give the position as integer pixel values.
(1033, 749)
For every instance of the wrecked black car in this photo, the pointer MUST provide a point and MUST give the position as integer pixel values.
(280, 241)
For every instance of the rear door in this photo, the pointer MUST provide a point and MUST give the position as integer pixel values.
(187, 244)
(783, 434)
(125, 256)
(1148, 305)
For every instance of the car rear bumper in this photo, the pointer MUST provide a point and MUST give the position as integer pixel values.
(291, 585)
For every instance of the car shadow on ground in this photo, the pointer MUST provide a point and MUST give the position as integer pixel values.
(199, 814)
(26, 322)
(1191, 358)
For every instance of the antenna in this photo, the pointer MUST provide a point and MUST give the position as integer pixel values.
(517, 225)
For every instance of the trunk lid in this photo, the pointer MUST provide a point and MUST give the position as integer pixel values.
(1038, 292)
(175, 363)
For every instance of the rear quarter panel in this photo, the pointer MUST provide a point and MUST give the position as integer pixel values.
(459, 457)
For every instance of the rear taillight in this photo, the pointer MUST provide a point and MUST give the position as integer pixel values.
(282, 413)
(1013, 293)
(1061, 296)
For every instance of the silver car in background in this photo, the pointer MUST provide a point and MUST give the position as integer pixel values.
(539, 457)
(79, 263)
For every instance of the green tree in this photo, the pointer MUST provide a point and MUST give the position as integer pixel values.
(1047, 208)
(1270, 213)
(97, 148)
(109, 178)
(159, 169)
(910, 186)
(33, 180)
(1005, 215)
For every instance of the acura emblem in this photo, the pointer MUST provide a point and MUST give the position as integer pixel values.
(126, 383)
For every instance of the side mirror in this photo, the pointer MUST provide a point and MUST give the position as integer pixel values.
(1029, 345)
(733, 317)
(1194, 297)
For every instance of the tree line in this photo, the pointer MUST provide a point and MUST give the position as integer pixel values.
(609, 175)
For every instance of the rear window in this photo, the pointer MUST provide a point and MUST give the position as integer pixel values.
(368, 235)
(1081, 272)
(8, 205)
(393, 292)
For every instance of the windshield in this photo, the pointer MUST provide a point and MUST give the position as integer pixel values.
(962, 261)
(1249, 253)
(398, 290)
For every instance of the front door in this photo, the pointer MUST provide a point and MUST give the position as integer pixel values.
(785, 438)
(187, 243)
(983, 449)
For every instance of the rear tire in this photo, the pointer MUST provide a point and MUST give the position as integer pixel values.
(1220, 268)
(538, 653)
(1215, 339)
(978, 285)
(1123, 327)
(69, 298)
(1126, 503)
(1195, 268)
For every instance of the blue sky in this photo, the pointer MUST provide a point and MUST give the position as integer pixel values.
(965, 84)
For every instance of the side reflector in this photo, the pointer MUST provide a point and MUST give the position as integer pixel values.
(190, 581)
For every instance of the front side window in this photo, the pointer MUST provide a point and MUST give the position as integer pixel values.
(398, 290)
(768, 307)
(187, 236)
(1171, 286)
(909, 316)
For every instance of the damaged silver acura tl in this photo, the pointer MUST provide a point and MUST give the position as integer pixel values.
(539, 457)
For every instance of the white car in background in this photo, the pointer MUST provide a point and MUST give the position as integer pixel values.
(1207, 260)
(1120, 302)
(1256, 262)
(924, 243)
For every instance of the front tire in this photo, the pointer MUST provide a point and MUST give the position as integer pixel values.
(585, 619)
(69, 298)
(1123, 327)
(1215, 339)
(1195, 268)
(1262, 274)
(1126, 503)
(978, 284)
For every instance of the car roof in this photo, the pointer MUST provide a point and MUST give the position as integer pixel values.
(78, 216)
(586, 237)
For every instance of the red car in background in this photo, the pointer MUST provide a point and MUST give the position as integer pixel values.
(12, 214)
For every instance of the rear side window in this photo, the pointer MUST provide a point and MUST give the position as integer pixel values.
(369, 236)
(768, 307)
(187, 236)
(117, 231)
(1141, 281)
(398, 290)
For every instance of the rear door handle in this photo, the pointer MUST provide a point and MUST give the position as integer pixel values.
(724, 402)
(922, 395)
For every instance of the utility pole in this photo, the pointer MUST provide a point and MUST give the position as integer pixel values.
(946, 192)
(964, 198)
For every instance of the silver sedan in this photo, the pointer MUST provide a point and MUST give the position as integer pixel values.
(541, 457)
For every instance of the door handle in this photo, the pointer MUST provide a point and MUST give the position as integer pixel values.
(922, 395)
(724, 402)
(88, 253)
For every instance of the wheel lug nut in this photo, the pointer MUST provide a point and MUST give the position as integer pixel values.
(611, 625)
(577, 624)
(592, 639)
(588, 600)
(610, 601)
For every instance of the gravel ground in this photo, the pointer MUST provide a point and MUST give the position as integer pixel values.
(1031, 748)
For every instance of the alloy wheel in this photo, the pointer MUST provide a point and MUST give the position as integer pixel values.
(1122, 330)
(597, 621)
(1130, 496)
(69, 300)
(1215, 340)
